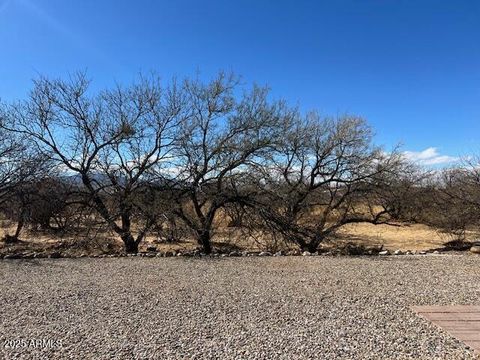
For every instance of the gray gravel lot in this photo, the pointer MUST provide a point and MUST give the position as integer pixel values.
(231, 308)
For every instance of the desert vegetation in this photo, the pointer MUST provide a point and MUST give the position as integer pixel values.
(187, 159)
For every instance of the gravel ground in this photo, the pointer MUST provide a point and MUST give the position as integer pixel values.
(231, 308)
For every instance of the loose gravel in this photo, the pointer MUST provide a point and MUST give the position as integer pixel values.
(232, 308)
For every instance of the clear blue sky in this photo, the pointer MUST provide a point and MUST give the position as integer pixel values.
(412, 68)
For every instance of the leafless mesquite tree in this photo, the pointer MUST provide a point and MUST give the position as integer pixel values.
(115, 142)
(406, 194)
(222, 139)
(456, 204)
(19, 166)
(320, 178)
(196, 149)
(15, 165)
(48, 203)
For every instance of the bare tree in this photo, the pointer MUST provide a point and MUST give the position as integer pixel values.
(15, 165)
(19, 166)
(45, 203)
(321, 178)
(113, 143)
(221, 140)
(405, 194)
(456, 201)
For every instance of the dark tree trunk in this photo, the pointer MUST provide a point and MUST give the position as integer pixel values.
(312, 247)
(303, 243)
(131, 246)
(20, 224)
(204, 239)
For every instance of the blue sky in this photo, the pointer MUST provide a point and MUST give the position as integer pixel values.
(412, 68)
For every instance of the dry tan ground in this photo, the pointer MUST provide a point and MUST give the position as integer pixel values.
(403, 237)
(391, 237)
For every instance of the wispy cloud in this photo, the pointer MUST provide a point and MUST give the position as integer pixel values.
(429, 156)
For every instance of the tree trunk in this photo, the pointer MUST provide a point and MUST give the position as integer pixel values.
(131, 246)
(312, 247)
(11, 239)
(204, 239)
(20, 225)
(21, 222)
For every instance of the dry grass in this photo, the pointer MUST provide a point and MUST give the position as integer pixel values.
(403, 236)
(391, 237)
